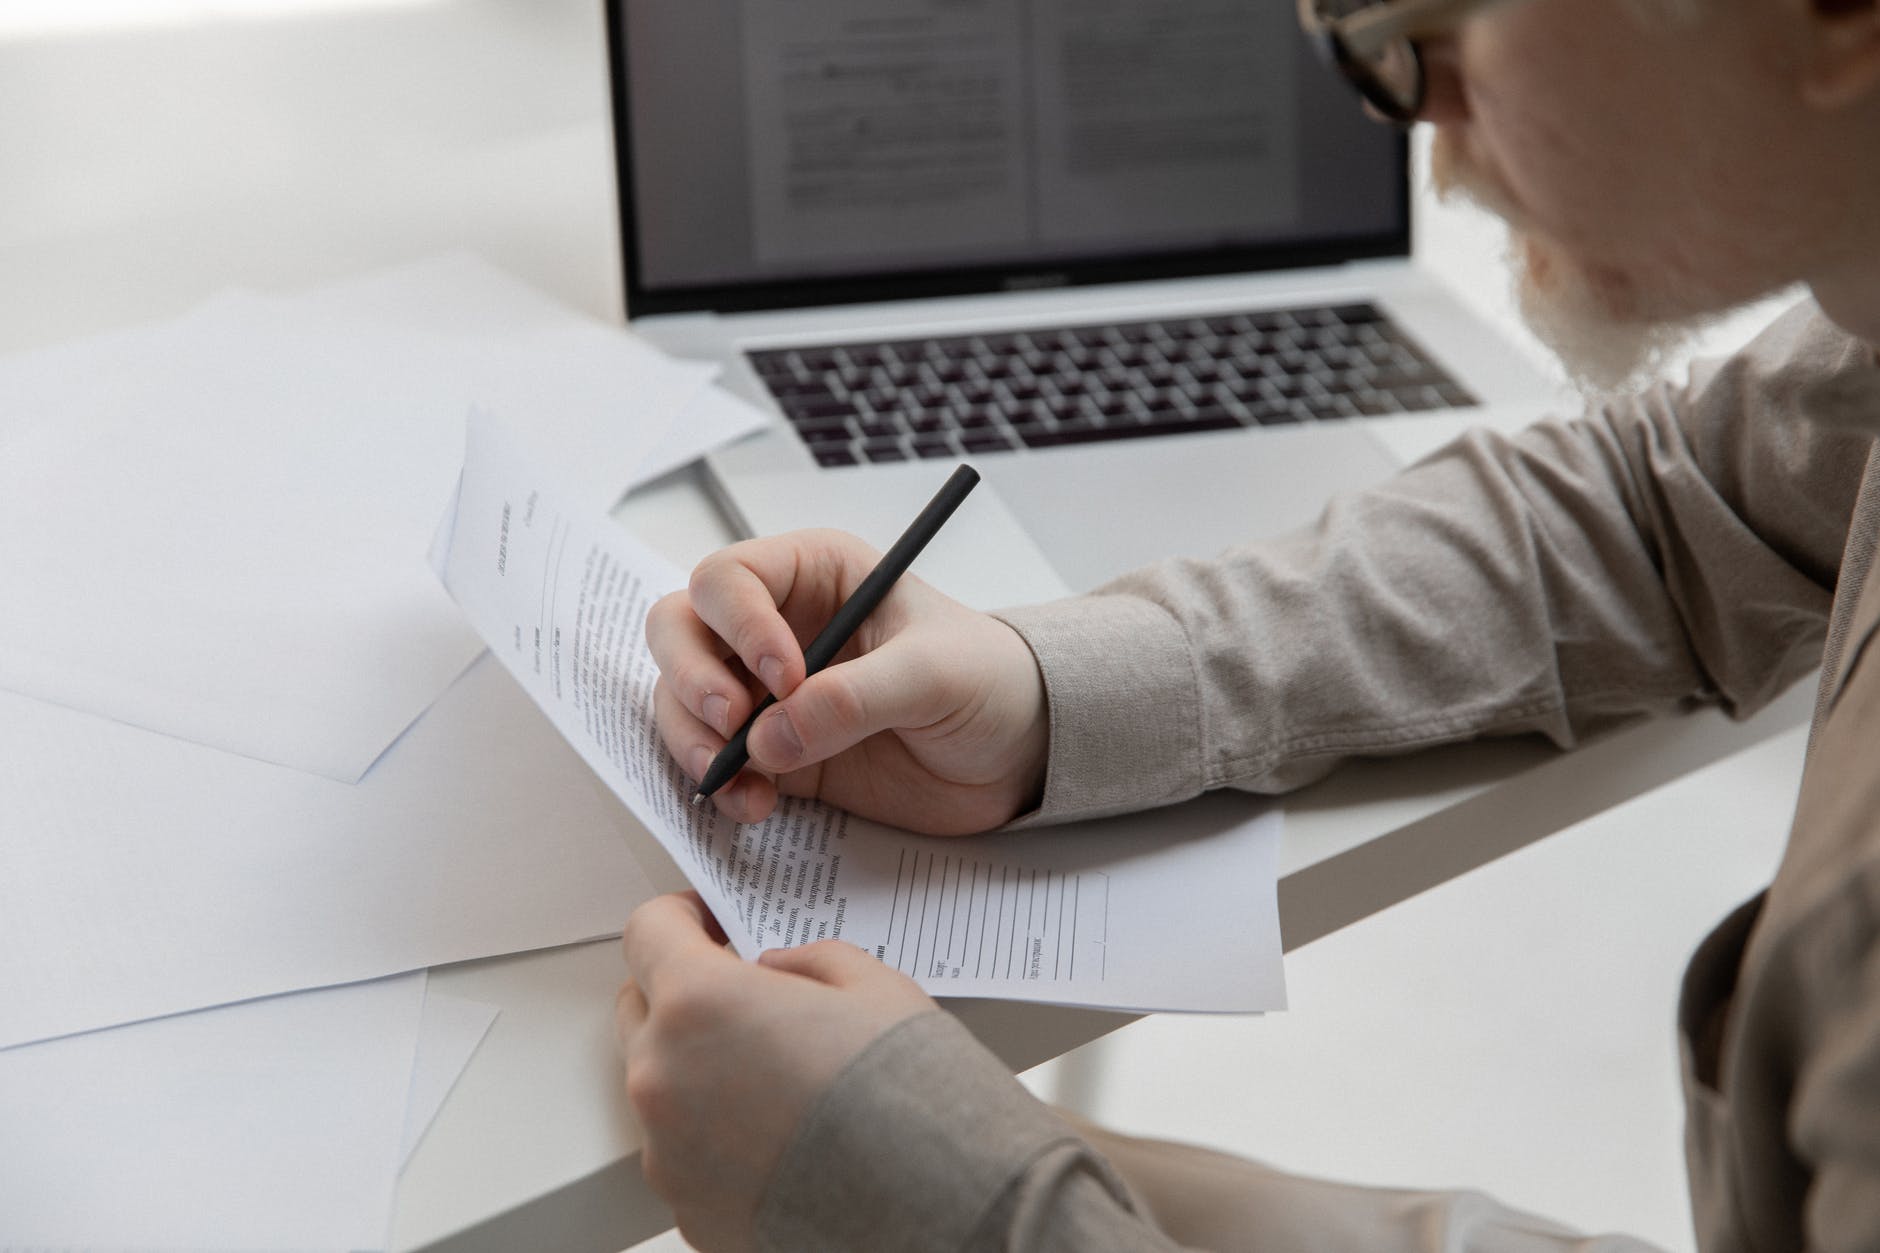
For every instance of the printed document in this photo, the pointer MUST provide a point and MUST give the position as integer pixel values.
(1167, 910)
(1022, 126)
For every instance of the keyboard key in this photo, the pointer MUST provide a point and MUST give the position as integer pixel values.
(879, 428)
(1053, 439)
(787, 390)
(986, 441)
(854, 402)
(1272, 413)
(812, 409)
(773, 365)
(1211, 417)
(823, 432)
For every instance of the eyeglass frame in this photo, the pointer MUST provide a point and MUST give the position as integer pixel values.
(1350, 41)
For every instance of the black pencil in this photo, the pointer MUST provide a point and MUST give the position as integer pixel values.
(858, 606)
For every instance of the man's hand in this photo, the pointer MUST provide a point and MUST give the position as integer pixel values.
(932, 718)
(724, 1058)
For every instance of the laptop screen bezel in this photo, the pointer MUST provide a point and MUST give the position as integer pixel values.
(823, 290)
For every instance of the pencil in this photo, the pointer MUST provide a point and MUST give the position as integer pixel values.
(849, 617)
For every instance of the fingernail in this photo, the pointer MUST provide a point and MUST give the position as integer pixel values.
(717, 712)
(786, 744)
(701, 759)
(770, 670)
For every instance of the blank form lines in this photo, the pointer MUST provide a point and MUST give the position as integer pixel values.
(984, 907)
(894, 905)
(1030, 923)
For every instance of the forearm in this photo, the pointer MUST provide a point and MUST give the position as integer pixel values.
(926, 1144)
(1678, 546)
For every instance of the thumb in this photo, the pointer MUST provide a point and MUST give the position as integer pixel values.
(834, 962)
(835, 709)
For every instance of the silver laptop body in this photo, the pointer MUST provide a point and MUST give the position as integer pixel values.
(797, 174)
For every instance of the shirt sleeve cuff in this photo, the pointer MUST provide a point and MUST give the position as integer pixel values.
(910, 1148)
(1124, 702)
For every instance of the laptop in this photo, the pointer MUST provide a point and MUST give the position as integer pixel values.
(1143, 263)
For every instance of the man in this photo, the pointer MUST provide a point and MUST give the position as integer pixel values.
(1659, 160)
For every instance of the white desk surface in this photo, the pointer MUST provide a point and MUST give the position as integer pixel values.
(149, 168)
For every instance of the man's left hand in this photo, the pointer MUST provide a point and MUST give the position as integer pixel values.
(725, 1057)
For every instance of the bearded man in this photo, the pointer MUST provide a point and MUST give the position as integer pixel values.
(1659, 161)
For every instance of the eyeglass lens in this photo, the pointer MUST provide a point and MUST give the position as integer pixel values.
(1391, 77)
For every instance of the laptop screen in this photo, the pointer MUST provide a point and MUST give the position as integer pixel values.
(796, 152)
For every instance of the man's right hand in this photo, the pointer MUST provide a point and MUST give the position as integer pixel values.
(932, 718)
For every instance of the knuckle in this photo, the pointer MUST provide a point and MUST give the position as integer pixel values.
(692, 1007)
(648, 1091)
(826, 950)
(632, 932)
(664, 623)
(835, 704)
(736, 619)
(669, 606)
(695, 681)
(708, 572)
(843, 544)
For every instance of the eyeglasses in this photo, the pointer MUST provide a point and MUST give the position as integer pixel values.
(1374, 43)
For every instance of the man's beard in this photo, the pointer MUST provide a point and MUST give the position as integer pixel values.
(1610, 333)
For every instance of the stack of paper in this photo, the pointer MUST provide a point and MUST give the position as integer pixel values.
(1171, 910)
(220, 520)
(251, 748)
(281, 1123)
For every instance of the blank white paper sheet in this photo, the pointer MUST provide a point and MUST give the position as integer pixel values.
(274, 1124)
(217, 524)
(142, 875)
(271, 1125)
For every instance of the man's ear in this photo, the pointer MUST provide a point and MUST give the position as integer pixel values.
(1844, 63)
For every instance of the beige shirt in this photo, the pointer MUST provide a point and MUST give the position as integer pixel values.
(1694, 544)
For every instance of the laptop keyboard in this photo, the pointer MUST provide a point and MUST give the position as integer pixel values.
(951, 396)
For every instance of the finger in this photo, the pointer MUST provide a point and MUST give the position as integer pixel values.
(691, 743)
(694, 662)
(893, 688)
(737, 593)
(749, 797)
(629, 1015)
(667, 933)
(835, 962)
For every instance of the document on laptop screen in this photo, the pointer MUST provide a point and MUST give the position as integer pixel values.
(904, 130)
(1171, 910)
